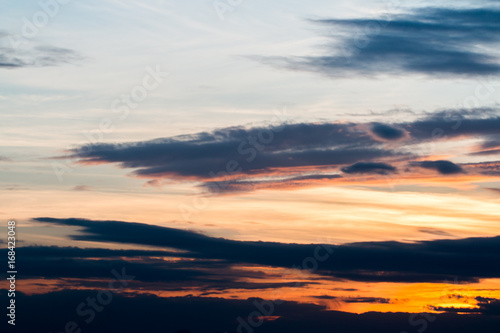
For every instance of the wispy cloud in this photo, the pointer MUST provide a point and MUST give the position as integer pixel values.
(213, 314)
(430, 41)
(81, 188)
(443, 167)
(485, 306)
(426, 261)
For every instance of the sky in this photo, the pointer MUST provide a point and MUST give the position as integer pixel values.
(255, 165)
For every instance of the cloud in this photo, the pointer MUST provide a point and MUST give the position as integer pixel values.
(454, 123)
(16, 188)
(284, 182)
(164, 314)
(54, 56)
(486, 152)
(485, 306)
(285, 156)
(374, 300)
(489, 306)
(492, 142)
(77, 252)
(486, 168)
(38, 56)
(237, 150)
(432, 41)
(377, 300)
(442, 167)
(9, 62)
(81, 188)
(426, 261)
(435, 232)
(325, 297)
(210, 314)
(387, 132)
(373, 168)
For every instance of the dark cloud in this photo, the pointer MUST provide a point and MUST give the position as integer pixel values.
(443, 167)
(489, 306)
(426, 261)
(314, 177)
(454, 123)
(77, 252)
(373, 168)
(237, 150)
(325, 297)
(491, 142)
(486, 168)
(377, 300)
(435, 232)
(387, 132)
(82, 268)
(485, 306)
(486, 152)
(250, 185)
(345, 289)
(432, 41)
(8, 61)
(151, 271)
(130, 313)
(54, 56)
(81, 188)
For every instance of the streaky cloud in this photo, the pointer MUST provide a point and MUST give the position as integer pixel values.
(437, 42)
(372, 168)
(442, 167)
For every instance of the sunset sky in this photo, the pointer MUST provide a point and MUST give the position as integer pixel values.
(253, 166)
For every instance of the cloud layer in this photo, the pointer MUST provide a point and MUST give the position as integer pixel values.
(430, 41)
(426, 261)
(303, 154)
(36, 56)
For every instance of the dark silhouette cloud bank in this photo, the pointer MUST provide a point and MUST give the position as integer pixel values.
(442, 42)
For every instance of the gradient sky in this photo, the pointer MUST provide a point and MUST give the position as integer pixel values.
(213, 148)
